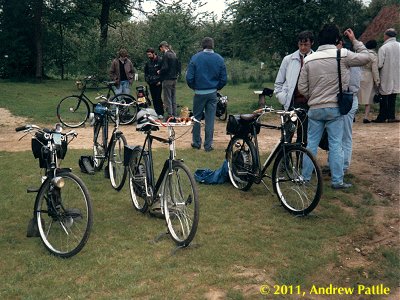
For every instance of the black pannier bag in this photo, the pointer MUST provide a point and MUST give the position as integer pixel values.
(40, 150)
(238, 126)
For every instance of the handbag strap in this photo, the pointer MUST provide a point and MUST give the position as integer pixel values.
(340, 75)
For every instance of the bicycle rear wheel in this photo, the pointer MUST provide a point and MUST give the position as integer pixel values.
(64, 215)
(99, 144)
(73, 111)
(138, 180)
(127, 114)
(180, 204)
(242, 162)
(298, 194)
(116, 166)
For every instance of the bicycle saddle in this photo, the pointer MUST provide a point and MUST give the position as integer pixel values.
(248, 117)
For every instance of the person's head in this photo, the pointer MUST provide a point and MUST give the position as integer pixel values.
(163, 46)
(389, 33)
(150, 53)
(329, 35)
(207, 43)
(123, 53)
(305, 40)
(371, 44)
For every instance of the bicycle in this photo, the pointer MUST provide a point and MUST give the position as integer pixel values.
(112, 150)
(73, 111)
(175, 188)
(298, 193)
(222, 107)
(62, 213)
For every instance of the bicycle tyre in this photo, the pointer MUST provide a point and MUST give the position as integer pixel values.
(73, 111)
(224, 116)
(180, 204)
(116, 166)
(242, 162)
(137, 180)
(99, 145)
(127, 115)
(64, 216)
(297, 195)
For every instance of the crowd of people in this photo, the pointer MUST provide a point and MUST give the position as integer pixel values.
(306, 79)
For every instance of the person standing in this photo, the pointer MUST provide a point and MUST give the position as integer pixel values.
(389, 66)
(169, 73)
(369, 80)
(122, 72)
(318, 82)
(206, 74)
(286, 90)
(153, 80)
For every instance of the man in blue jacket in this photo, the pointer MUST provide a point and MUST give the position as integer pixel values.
(206, 74)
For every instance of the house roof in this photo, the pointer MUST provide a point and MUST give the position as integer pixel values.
(388, 17)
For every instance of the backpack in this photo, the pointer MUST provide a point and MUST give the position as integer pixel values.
(86, 164)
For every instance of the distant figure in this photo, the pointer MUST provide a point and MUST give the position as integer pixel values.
(153, 80)
(122, 72)
(169, 72)
(389, 66)
(369, 80)
(286, 82)
(206, 74)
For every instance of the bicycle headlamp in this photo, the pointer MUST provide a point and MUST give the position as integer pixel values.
(293, 116)
(58, 182)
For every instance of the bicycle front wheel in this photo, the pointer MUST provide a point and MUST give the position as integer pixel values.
(180, 204)
(116, 166)
(99, 145)
(64, 215)
(127, 114)
(242, 162)
(299, 193)
(73, 111)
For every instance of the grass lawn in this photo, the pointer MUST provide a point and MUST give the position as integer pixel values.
(245, 240)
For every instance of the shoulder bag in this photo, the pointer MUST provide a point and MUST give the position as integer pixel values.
(345, 99)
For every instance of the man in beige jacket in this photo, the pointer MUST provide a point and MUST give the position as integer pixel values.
(389, 69)
(318, 82)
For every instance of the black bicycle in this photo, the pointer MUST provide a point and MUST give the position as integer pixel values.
(222, 107)
(298, 190)
(112, 150)
(175, 188)
(73, 111)
(62, 213)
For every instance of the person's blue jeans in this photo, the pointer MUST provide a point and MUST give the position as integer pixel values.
(207, 104)
(123, 88)
(318, 119)
(348, 134)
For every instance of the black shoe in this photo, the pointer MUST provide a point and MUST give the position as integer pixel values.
(341, 186)
(366, 121)
(209, 149)
(378, 121)
(195, 147)
(393, 120)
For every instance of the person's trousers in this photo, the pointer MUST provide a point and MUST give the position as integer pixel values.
(123, 88)
(207, 104)
(387, 108)
(347, 142)
(155, 91)
(169, 94)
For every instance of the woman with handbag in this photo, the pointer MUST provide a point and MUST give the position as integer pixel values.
(369, 80)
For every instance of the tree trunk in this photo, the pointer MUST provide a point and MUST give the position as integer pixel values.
(38, 37)
(104, 19)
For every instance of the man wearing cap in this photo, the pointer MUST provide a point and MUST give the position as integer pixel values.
(169, 73)
(389, 72)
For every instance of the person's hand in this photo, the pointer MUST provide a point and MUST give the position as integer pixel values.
(350, 34)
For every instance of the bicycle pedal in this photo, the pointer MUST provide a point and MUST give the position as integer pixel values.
(32, 190)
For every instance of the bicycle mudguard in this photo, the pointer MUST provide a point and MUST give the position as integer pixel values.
(63, 170)
(128, 150)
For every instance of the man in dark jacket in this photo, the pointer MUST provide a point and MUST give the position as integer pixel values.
(153, 80)
(169, 72)
(206, 74)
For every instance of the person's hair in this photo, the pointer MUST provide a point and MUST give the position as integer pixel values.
(207, 43)
(163, 43)
(329, 35)
(123, 52)
(305, 36)
(151, 50)
(371, 44)
(391, 32)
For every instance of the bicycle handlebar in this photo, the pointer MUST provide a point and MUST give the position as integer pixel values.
(29, 127)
